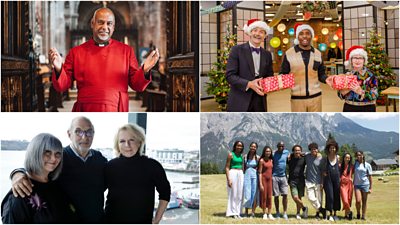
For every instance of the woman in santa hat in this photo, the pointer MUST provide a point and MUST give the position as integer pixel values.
(363, 100)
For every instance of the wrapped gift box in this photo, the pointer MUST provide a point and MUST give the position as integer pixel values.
(277, 83)
(340, 82)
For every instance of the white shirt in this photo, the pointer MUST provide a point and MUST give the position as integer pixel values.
(256, 60)
(80, 157)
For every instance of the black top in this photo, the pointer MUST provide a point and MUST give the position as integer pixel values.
(131, 182)
(296, 170)
(285, 67)
(83, 182)
(47, 204)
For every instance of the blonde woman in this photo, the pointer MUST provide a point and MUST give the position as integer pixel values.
(132, 179)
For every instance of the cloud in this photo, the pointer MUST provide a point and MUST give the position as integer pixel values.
(370, 116)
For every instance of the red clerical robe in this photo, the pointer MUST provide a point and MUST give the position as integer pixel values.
(102, 75)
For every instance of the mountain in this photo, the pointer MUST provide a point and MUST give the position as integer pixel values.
(220, 130)
(14, 144)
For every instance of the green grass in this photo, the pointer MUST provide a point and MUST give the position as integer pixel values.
(383, 205)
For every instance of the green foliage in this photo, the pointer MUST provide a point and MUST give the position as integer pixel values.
(209, 168)
(317, 6)
(218, 86)
(378, 63)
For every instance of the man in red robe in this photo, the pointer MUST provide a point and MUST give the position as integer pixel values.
(103, 68)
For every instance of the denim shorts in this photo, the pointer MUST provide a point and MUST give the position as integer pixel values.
(363, 188)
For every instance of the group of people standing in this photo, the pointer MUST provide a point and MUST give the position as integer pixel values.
(248, 63)
(252, 180)
(66, 185)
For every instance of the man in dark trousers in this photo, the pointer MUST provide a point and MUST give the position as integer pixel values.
(306, 63)
(247, 64)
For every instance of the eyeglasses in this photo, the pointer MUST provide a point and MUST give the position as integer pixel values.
(357, 58)
(87, 133)
(280, 146)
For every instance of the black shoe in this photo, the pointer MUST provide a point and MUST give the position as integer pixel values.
(350, 216)
(358, 216)
(363, 218)
(323, 211)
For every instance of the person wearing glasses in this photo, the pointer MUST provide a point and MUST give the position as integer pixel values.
(82, 174)
(47, 203)
(357, 58)
(279, 178)
(132, 178)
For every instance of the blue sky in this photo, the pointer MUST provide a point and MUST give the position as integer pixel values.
(376, 121)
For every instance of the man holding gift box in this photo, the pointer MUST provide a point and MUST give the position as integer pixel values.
(362, 97)
(247, 64)
(306, 63)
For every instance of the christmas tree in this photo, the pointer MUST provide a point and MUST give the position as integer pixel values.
(378, 64)
(218, 86)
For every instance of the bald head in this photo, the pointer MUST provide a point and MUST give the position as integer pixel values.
(79, 120)
(103, 25)
(102, 10)
(81, 133)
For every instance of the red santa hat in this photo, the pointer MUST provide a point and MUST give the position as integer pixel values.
(253, 23)
(298, 27)
(356, 50)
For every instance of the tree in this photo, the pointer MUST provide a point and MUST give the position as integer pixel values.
(218, 85)
(209, 168)
(378, 64)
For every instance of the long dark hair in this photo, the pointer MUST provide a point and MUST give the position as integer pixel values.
(263, 152)
(343, 164)
(363, 157)
(236, 143)
(248, 154)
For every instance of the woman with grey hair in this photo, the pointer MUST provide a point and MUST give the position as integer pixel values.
(46, 204)
(132, 178)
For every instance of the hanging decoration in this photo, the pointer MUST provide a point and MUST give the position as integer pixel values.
(307, 16)
(281, 27)
(285, 41)
(318, 6)
(325, 31)
(322, 47)
(280, 52)
(335, 37)
(340, 45)
(219, 8)
(339, 32)
(275, 42)
(291, 31)
(311, 8)
(315, 38)
(332, 45)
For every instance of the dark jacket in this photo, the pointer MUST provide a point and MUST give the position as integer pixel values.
(240, 70)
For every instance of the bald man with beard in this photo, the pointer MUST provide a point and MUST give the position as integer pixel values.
(103, 69)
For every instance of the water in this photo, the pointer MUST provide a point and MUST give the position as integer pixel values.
(10, 160)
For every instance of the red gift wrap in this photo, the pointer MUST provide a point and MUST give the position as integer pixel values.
(340, 82)
(277, 83)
